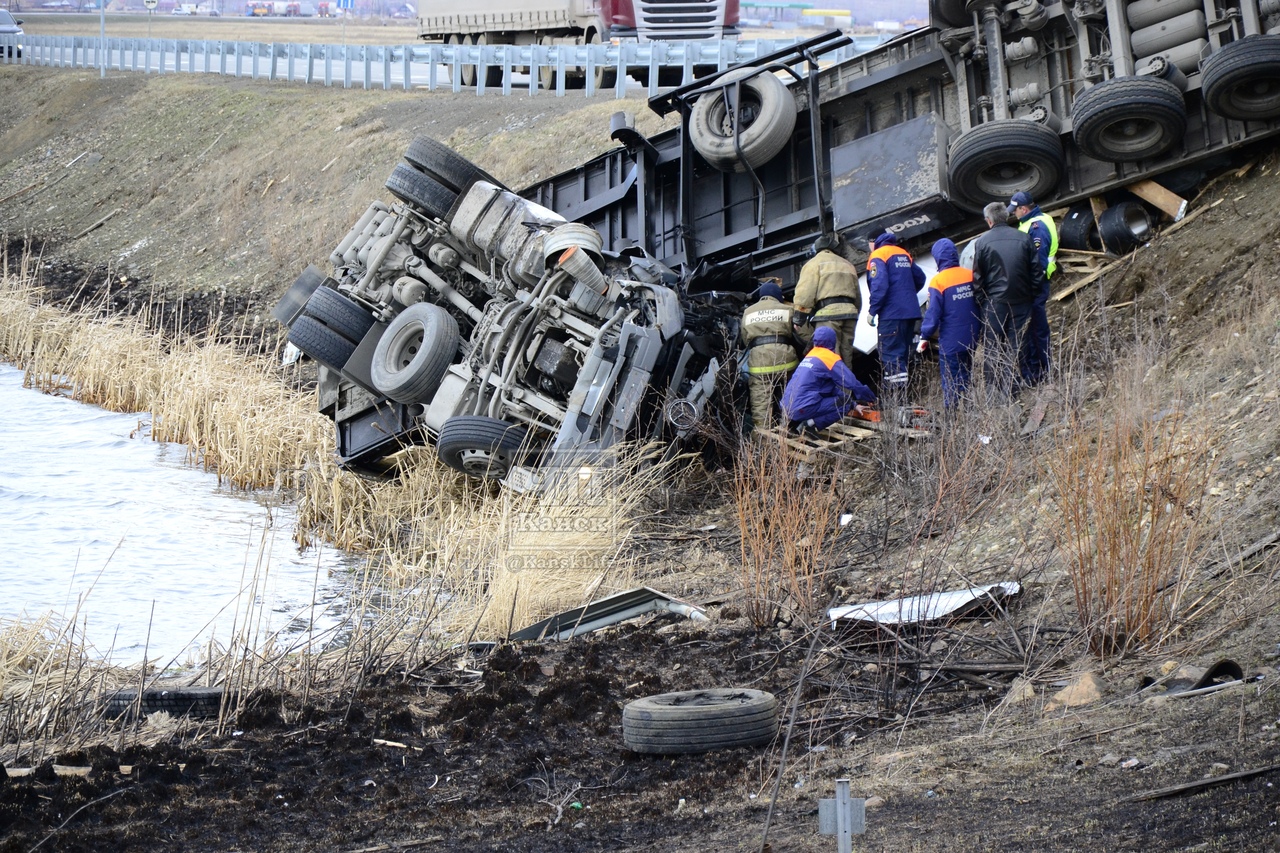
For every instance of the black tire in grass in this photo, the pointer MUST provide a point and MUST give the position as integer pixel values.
(692, 721)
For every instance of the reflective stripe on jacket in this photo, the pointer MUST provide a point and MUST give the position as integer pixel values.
(953, 311)
(1048, 253)
(768, 317)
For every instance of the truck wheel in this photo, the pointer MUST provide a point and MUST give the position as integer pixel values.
(1079, 230)
(339, 313)
(993, 161)
(1242, 81)
(195, 701)
(492, 74)
(480, 446)
(768, 114)
(320, 342)
(951, 12)
(409, 185)
(414, 352)
(446, 166)
(606, 77)
(1128, 118)
(700, 720)
(469, 71)
(547, 73)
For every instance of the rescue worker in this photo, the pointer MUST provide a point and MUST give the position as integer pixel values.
(1007, 277)
(823, 389)
(827, 296)
(893, 280)
(952, 317)
(771, 353)
(1044, 233)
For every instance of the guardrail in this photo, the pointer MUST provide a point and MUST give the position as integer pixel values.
(430, 66)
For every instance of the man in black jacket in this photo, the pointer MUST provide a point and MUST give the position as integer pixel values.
(1007, 276)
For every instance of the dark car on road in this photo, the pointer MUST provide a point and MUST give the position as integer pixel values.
(9, 28)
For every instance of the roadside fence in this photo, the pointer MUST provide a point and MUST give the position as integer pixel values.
(485, 68)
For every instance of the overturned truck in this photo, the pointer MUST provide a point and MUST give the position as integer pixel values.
(506, 328)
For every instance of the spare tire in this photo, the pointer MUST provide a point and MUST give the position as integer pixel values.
(1128, 118)
(1124, 227)
(1079, 230)
(1242, 80)
(767, 113)
(413, 353)
(700, 720)
(993, 161)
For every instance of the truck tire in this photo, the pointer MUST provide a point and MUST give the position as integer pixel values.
(469, 72)
(699, 721)
(1124, 227)
(428, 195)
(339, 313)
(1242, 81)
(193, 701)
(320, 342)
(446, 166)
(413, 353)
(606, 76)
(1128, 118)
(768, 118)
(480, 446)
(1079, 230)
(993, 161)
(492, 74)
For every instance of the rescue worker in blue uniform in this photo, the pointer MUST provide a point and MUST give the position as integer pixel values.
(823, 389)
(954, 319)
(893, 280)
(1044, 233)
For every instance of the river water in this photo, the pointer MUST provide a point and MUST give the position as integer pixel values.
(101, 524)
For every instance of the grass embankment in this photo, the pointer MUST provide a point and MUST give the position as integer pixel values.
(449, 560)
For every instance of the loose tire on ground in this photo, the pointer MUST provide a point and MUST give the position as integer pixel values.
(1079, 230)
(768, 117)
(193, 701)
(339, 313)
(1242, 80)
(480, 446)
(700, 720)
(445, 166)
(993, 161)
(1128, 118)
(413, 353)
(427, 194)
(320, 342)
(1124, 227)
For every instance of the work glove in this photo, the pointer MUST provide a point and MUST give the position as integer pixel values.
(923, 345)
(799, 318)
(873, 320)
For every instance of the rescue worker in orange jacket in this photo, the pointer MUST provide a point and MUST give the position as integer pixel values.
(893, 280)
(823, 389)
(827, 295)
(953, 317)
(771, 352)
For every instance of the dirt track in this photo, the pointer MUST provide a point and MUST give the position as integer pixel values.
(213, 204)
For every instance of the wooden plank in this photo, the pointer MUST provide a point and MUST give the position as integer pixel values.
(1200, 784)
(1099, 205)
(1190, 217)
(1170, 203)
(1084, 282)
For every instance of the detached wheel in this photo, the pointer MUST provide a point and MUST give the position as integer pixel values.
(194, 701)
(1128, 118)
(413, 353)
(700, 721)
(339, 313)
(993, 161)
(1079, 230)
(1242, 81)
(320, 342)
(765, 120)
(1124, 227)
(480, 446)
(427, 194)
(446, 166)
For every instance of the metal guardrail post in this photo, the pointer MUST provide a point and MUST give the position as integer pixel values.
(346, 67)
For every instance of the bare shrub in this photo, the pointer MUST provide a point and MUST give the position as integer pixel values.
(1129, 520)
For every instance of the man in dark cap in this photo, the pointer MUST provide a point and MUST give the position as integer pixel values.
(771, 353)
(827, 295)
(893, 280)
(1044, 233)
(823, 389)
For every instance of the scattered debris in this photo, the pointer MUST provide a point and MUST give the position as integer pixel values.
(1200, 784)
(608, 611)
(926, 608)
